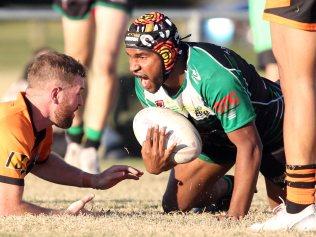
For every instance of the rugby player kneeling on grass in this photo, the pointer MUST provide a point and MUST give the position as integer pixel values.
(55, 84)
(238, 114)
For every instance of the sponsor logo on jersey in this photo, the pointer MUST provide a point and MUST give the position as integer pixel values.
(17, 162)
(195, 75)
(231, 114)
(226, 104)
(201, 113)
(160, 103)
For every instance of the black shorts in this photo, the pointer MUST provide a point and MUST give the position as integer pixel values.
(264, 58)
(300, 14)
(81, 9)
(272, 162)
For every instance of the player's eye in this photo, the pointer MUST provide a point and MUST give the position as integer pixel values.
(142, 56)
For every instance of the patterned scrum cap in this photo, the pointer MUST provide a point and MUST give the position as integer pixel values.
(156, 32)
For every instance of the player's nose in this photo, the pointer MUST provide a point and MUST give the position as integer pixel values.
(134, 67)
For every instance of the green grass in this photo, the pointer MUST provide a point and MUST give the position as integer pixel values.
(18, 39)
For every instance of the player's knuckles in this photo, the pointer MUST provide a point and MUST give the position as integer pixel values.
(117, 175)
(161, 140)
(162, 133)
(156, 154)
(145, 154)
(145, 151)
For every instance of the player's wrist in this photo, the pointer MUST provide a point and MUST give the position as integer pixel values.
(237, 211)
(236, 214)
(87, 180)
(153, 168)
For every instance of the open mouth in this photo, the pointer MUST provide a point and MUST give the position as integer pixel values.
(143, 77)
(145, 83)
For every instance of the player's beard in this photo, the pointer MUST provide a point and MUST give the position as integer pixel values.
(64, 117)
(152, 86)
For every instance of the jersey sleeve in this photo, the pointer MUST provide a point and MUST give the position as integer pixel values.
(229, 100)
(15, 156)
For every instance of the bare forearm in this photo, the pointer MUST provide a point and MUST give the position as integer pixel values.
(246, 175)
(57, 171)
(27, 208)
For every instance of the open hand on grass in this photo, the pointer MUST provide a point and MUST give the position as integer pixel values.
(77, 207)
(115, 174)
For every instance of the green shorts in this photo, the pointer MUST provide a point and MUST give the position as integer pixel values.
(272, 163)
(79, 10)
(218, 154)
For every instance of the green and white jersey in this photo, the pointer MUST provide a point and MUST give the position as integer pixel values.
(220, 94)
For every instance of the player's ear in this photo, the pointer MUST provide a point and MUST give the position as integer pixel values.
(55, 94)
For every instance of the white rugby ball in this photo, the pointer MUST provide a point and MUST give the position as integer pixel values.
(181, 130)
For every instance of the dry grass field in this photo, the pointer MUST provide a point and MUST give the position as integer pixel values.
(132, 208)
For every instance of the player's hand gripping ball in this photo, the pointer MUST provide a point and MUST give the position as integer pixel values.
(179, 128)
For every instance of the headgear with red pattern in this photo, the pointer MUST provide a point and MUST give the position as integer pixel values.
(156, 32)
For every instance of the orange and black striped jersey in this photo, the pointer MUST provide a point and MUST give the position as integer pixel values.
(300, 14)
(21, 147)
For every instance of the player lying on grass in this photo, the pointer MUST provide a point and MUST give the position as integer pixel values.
(55, 84)
(238, 114)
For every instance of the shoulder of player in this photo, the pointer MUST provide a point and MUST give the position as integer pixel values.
(16, 122)
(203, 66)
(208, 53)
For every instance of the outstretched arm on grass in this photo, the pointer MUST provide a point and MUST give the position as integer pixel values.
(58, 171)
(11, 203)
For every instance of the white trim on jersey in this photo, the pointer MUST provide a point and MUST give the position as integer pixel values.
(233, 69)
